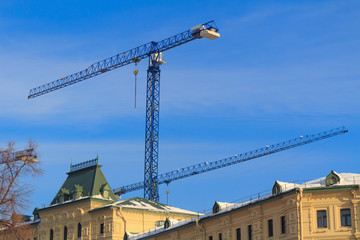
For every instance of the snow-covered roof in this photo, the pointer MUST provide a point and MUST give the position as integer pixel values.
(344, 179)
(287, 186)
(147, 205)
(220, 206)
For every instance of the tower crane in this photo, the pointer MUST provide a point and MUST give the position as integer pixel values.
(23, 155)
(153, 51)
(209, 166)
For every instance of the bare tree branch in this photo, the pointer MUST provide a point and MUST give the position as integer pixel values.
(14, 168)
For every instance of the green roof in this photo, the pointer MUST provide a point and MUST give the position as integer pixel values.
(87, 181)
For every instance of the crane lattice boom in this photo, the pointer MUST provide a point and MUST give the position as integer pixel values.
(124, 58)
(209, 166)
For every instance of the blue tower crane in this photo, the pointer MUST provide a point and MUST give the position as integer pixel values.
(210, 166)
(152, 50)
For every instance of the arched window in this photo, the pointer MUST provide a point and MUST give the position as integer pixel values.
(79, 230)
(65, 233)
(51, 234)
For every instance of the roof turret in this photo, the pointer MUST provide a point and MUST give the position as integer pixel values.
(84, 180)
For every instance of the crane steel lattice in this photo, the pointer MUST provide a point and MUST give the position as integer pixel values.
(152, 50)
(23, 155)
(209, 166)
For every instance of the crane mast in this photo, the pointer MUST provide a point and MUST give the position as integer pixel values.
(239, 158)
(153, 50)
(151, 185)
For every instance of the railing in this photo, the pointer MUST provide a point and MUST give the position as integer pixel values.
(85, 164)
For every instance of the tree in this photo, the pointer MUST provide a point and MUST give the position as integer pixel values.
(15, 167)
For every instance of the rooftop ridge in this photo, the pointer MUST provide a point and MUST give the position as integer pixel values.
(85, 164)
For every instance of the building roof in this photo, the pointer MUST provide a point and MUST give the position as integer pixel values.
(84, 180)
(332, 179)
(145, 205)
(142, 204)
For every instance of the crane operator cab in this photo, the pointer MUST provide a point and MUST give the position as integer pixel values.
(159, 58)
(200, 31)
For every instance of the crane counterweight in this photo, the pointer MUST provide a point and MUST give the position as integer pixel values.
(209, 34)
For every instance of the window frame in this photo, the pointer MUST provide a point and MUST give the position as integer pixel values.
(270, 228)
(65, 233)
(250, 232)
(102, 228)
(347, 217)
(323, 219)
(51, 234)
(283, 224)
(238, 234)
(79, 230)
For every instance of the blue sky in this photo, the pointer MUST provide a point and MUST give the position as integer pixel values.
(280, 69)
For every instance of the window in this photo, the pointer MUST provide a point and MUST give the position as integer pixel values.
(51, 234)
(250, 232)
(270, 228)
(220, 236)
(345, 217)
(102, 228)
(321, 219)
(79, 230)
(283, 225)
(238, 234)
(65, 233)
(210, 238)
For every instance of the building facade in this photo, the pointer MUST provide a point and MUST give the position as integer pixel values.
(325, 208)
(85, 208)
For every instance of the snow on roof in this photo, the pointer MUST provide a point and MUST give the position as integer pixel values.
(144, 204)
(345, 179)
(175, 225)
(224, 204)
(287, 186)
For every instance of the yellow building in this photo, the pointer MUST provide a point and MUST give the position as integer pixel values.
(86, 208)
(325, 208)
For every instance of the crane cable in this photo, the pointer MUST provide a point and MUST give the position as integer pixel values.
(136, 71)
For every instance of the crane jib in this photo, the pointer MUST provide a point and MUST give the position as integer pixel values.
(209, 166)
(123, 59)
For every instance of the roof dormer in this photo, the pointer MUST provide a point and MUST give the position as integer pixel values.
(332, 178)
